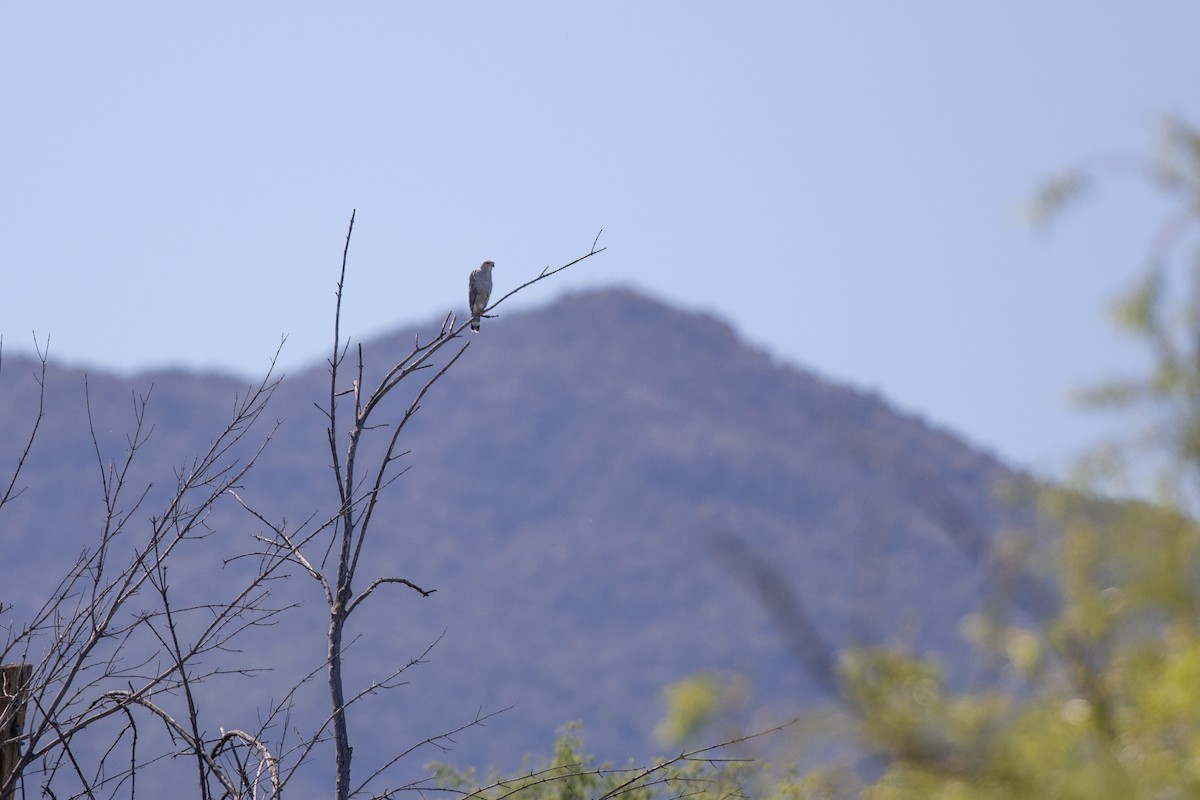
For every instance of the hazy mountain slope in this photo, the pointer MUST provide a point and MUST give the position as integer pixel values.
(567, 478)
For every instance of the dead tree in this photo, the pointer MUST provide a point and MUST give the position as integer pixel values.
(354, 415)
(96, 657)
(14, 682)
(108, 675)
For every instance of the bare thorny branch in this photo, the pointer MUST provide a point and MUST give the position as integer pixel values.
(103, 661)
(88, 633)
(627, 779)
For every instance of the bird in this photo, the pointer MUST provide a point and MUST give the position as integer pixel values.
(480, 289)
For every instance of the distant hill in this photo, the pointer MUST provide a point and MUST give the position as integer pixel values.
(568, 479)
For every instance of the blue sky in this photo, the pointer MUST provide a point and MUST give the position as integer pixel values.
(843, 183)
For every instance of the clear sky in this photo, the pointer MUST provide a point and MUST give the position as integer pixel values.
(842, 182)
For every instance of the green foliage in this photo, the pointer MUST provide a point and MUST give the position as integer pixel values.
(1054, 195)
(570, 774)
(691, 704)
(1112, 705)
(1101, 699)
(1109, 699)
(697, 705)
(1162, 311)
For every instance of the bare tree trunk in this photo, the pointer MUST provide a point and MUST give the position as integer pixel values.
(14, 681)
(337, 697)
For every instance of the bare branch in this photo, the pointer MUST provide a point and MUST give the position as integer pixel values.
(388, 455)
(441, 741)
(123, 699)
(256, 744)
(546, 273)
(379, 582)
(10, 492)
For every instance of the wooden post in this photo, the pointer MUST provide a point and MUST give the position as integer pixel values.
(14, 686)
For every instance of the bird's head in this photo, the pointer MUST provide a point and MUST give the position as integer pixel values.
(487, 265)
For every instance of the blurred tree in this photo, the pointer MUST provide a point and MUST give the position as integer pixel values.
(1108, 698)
(1097, 694)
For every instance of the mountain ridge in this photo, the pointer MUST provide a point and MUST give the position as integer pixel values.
(567, 480)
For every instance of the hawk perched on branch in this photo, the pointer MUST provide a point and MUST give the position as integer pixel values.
(480, 290)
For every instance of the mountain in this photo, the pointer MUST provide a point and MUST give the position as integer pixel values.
(587, 490)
